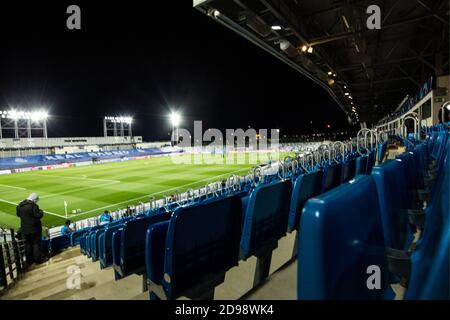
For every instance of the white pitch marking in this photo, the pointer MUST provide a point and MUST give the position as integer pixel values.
(67, 177)
(12, 187)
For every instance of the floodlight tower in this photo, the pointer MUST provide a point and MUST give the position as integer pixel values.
(23, 123)
(119, 126)
(175, 120)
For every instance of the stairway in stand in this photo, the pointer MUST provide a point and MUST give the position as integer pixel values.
(48, 281)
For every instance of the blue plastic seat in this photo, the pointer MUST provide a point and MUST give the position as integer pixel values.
(306, 186)
(266, 218)
(190, 254)
(411, 178)
(361, 164)
(96, 244)
(390, 180)
(331, 176)
(382, 149)
(264, 223)
(430, 261)
(370, 162)
(129, 257)
(105, 245)
(82, 244)
(341, 243)
(59, 243)
(348, 170)
(76, 236)
(439, 145)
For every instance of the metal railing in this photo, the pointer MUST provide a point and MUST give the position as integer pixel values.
(12, 258)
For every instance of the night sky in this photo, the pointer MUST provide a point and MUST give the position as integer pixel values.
(141, 60)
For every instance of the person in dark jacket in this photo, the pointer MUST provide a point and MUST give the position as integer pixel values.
(31, 228)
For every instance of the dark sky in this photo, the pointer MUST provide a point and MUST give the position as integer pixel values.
(139, 59)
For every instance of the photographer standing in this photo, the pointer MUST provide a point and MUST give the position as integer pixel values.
(31, 228)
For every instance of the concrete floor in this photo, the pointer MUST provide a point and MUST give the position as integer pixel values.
(49, 280)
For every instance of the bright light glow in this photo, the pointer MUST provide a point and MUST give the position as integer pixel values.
(347, 93)
(304, 48)
(448, 107)
(310, 50)
(38, 115)
(175, 119)
(214, 12)
(120, 119)
(330, 73)
(276, 28)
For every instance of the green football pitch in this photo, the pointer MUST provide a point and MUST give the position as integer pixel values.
(111, 186)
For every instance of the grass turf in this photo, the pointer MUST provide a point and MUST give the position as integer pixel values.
(113, 185)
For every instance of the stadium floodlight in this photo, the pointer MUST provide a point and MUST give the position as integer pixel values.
(276, 28)
(118, 125)
(23, 123)
(39, 115)
(175, 119)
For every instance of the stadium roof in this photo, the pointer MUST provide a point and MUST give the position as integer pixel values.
(377, 68)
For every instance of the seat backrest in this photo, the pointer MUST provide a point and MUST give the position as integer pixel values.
(266, 218)
(393, 197)
(411, 177)
(133, 241)
(341, 244)
(432, 141)
(202, 241)
(361, 164)
(306, 186)
(348, 170)
(382, 148)
(430, 261)
(331, 176)
(96, 243)
(106, 244)
(370, 161)
(59, 243)
(439, 144)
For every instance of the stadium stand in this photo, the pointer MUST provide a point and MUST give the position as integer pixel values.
(392, 220)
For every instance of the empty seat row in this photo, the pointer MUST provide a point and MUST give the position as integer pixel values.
(187, 251)
(355, 240)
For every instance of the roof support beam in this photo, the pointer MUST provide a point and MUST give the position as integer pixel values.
(345, 35)
(385, 63)
(379, 81)
(436, 15)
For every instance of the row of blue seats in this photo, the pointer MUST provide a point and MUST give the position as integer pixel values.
(261, 219)
(180, 262)
(365, 227)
